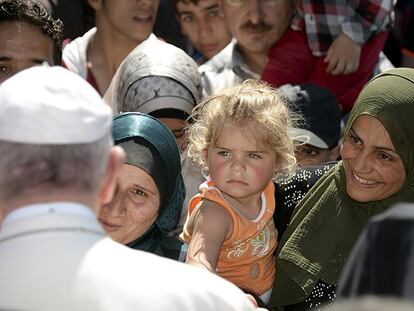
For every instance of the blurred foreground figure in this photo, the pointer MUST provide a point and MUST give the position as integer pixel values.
(382, 260)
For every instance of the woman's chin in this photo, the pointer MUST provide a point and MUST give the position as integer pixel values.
(109, 227)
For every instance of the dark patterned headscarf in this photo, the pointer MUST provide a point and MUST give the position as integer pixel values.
(151, 146)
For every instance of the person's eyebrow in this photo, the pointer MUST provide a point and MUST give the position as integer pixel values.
(245, 151)
(184, 13)
(210, 7)
(32, 60)
(143, 188)
(219, 147)
(352, 131)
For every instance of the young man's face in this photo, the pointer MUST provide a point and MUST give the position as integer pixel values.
(129, 19)
(22, 45)
(204, 26)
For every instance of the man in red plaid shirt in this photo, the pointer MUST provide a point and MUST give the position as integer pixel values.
(332, 43)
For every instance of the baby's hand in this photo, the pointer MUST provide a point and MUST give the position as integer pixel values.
(343, 56)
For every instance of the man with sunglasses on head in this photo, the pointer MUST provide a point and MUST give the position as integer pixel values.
(256, 25)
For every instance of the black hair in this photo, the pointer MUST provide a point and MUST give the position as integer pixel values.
(195, 2)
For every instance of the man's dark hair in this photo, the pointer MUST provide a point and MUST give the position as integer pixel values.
(31, 12)
(195, 2)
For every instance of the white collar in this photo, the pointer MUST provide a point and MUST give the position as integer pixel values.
(68, 208)
(239, 64)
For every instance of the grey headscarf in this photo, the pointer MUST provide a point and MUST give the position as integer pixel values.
(155, 76)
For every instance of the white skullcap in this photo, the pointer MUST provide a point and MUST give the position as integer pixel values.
(51, 105)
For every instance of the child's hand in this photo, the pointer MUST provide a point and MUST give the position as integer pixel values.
(343, 56)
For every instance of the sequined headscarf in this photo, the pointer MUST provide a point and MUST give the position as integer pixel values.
(327, 222)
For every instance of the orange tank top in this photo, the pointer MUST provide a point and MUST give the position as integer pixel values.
(246, 257)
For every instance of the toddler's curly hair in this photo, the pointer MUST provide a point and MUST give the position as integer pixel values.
(253, 101)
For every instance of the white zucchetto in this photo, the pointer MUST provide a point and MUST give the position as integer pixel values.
(53, 106)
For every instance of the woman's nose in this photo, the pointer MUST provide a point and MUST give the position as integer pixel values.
(363, 161)
(116, 207)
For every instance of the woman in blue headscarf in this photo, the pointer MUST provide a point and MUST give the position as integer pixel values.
(150, 189)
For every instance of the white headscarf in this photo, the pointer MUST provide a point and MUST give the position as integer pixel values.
(154, 76)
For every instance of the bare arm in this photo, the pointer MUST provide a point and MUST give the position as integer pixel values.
(369, 17)
(343, 56)
(211, 226)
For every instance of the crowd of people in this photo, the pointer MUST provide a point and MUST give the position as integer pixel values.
(206, 155)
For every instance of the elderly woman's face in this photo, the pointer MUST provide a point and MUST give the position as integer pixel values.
(134, 207)
(374, 171)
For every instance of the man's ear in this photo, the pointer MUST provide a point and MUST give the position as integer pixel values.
(95, 4)
(115, 161)
(334, 154)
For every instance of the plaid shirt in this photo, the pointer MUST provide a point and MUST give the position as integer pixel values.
(326, 19)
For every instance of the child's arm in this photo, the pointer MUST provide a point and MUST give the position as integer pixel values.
(343, 56)
(369, 18)
(211, 226)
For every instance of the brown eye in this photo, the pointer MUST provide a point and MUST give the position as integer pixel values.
(138, 192)
(384, 156)
(310, 152)
(354, 139)
(188, 18)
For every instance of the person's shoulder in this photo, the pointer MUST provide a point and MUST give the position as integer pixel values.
(212, 207)
(80, 44)
(74, 53)
(211, 210)
(305, 177)
(217, 73)
(182, 286)
(220, 61)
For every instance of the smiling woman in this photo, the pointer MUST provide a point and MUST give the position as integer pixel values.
(149, 191)
(373, 169)
(377, 171)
